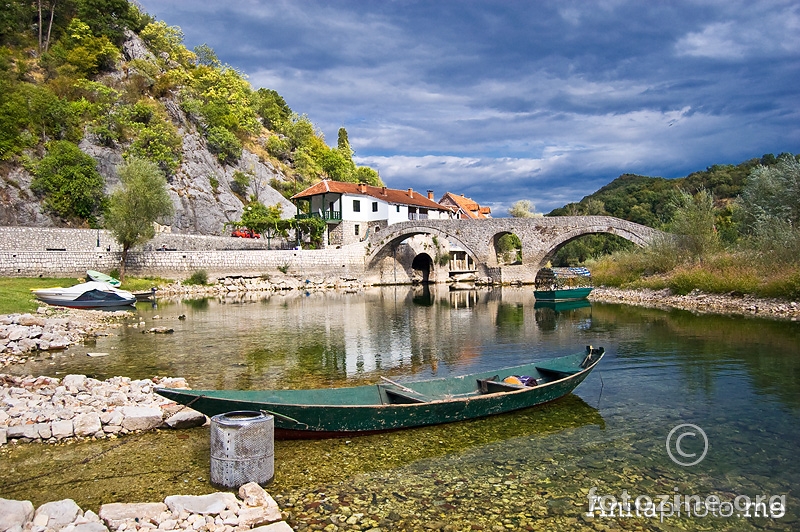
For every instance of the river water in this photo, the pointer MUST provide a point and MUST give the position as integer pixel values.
(729, 386)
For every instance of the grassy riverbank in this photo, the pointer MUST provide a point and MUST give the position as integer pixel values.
(16, 296)
(720, 273)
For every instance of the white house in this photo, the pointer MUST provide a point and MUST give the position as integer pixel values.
(353, 210)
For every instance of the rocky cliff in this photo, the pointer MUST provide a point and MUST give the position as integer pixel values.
(201, 188)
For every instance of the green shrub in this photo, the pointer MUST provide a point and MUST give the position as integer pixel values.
(240, 183)
(158, 142)
(200, 277)
(224, 145)
(69, 181)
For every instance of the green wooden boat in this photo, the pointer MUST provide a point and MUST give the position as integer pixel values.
(564, 294)
(388, 405)
(562, 284)
(93, 275)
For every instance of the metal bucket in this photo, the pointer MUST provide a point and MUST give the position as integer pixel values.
(242, 449)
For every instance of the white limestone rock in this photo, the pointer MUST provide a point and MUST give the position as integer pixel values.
(186, 419)
(58, 514)
(140, 417)
(62, 429)
(14, 514)
(211, 504)
(116, 513)
(87, 424)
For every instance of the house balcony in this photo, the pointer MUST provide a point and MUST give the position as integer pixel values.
(325, 215)
(417, 216)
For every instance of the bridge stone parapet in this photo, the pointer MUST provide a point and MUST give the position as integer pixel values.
(541, 237)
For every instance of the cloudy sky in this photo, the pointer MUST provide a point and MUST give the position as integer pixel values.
(508, 100)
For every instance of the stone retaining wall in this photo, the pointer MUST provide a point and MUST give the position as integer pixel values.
(37, 252)
(17, 239)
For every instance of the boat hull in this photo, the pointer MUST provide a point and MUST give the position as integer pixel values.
(86, 295)
(363, 410)
(565, 294)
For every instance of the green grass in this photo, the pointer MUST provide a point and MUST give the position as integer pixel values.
(16, 297)
(721, 273)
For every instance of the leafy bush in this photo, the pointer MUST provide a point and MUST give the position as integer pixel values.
(80, 49)
(279, 147)
(160, 143)
(200, 277)
(224, 144)
(240, 183)
(69, 182)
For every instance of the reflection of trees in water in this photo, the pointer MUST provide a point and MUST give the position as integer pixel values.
(701, 346)
(546, 318)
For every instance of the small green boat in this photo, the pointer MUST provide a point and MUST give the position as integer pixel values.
(564, 294)
(562, 284)
(388, 405)
(93, 275)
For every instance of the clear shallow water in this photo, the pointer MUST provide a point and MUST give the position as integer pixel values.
(737, 379)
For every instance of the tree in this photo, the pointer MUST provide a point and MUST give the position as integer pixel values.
(132, 209)
(69, 181)
(768, 212)
(509, 249)
(272, 109)
(693, 223)
(522, 209)
(343, 143)
(771, 195)
(265, 220)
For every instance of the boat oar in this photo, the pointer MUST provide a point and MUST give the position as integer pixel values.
(390, 381)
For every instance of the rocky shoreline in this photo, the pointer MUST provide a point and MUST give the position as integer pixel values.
(254, 510)
(46, 409)
(700, 302)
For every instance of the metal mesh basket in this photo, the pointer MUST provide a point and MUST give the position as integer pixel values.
(242, 449)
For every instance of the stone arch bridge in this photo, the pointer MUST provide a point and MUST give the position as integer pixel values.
(426, 242)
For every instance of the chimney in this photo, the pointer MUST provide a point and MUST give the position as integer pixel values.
(383, 191)
(362, 187)
(430, 195)
(410, 192)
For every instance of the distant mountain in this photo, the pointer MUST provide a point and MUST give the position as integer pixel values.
(645, 199)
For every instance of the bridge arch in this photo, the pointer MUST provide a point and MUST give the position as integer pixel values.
(540, 238)
(389, 239)
(640, 238)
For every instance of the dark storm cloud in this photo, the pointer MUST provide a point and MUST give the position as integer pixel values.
(546, 101)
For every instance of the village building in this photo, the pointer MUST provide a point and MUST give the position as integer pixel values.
(465, 208)
(353, 210)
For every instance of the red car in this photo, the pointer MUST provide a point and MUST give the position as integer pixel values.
(243, 232)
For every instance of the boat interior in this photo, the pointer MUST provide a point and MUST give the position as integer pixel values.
(449, 389)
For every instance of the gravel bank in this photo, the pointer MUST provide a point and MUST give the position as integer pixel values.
(700, 302)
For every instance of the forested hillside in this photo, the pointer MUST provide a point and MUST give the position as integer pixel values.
(652, 201)
(86, 84)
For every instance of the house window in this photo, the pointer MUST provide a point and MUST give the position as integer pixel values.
(356, 205)
(398, 208)
(357, 229)
(374, 206)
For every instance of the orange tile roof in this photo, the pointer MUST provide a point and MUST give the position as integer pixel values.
(389, 195)
(470, 208)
